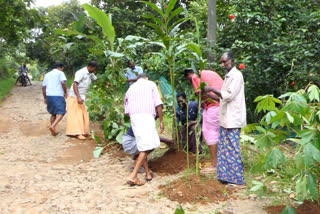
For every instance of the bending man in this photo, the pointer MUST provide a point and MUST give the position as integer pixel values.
(78, 116)
(141, 103)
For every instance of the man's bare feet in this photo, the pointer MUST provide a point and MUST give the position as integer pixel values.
(53, 131)
(81, 137)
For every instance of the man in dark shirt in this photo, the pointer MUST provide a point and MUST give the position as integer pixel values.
(181, 112)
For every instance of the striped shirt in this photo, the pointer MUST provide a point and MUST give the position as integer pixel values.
(142, 97)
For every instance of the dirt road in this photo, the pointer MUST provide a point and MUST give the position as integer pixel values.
(44, 174)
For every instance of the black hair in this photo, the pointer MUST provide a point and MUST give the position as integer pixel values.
(188, 71)
(92, 64)
(229, 55)
(58, 65)
(142, 75)
(181, 94)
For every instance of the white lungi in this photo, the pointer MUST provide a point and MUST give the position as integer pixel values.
(145, 131)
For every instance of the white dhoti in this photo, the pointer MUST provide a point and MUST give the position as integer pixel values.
(145, 131)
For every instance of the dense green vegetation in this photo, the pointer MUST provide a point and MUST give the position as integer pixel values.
(278, 41)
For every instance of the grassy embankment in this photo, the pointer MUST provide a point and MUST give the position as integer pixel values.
(5, 87)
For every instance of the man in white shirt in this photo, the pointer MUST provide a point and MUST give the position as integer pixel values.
(133, 72)
(54, 91)
(232, 119)
(78, 117)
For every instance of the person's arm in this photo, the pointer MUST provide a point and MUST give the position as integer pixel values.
(132, 80)
(64, 86)
(212, 96)
(159, 111)
(211, 89)
(76, 91)
(166, 140)
(44, 89)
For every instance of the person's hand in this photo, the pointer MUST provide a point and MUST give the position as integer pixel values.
(80, 101)
(65, 96)
(161, 127)
(45, 101)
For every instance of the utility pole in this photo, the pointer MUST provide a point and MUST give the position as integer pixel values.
(212, 28)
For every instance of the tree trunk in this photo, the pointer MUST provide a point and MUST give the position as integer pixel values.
(212, 28)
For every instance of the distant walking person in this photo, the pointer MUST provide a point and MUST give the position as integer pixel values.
(78, 117)
(142, 101)
(232, 119)
(54, 91)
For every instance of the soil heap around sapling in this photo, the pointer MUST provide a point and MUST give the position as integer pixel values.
(172, 162)
(198, 189)
(306, 208)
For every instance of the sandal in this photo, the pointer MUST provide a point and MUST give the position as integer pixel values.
(149, 179)
(208, 170)
(237, 186)
(136, 182)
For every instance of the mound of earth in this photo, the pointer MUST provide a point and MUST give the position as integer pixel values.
(306, 208)
(199, 189)
(172, 162)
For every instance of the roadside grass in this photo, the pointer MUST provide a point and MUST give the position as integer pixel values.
(5, 87)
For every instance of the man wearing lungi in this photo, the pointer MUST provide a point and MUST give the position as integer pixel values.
(210, 124)
(78, 117)
(232, 119)
(141, 103)
(54, 91)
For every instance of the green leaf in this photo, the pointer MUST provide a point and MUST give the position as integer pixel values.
(156, 28)
(301, 187)
(98, 151)
(312, 185)
(175, 13)
(274, 159)
(130, 38)
(170, 7)
(154, 7)
(288, 210)
(314, 93)
(102, 20)
(290, 118)
(267, 103)
(179, 210)
(96, 39)
(155, 19)
(119, 137)
(195, 48)
(114, 54)
(79, 24)
(258, 186)
(265, 141)
(310, 154)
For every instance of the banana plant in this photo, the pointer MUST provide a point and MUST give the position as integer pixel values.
(167, 29)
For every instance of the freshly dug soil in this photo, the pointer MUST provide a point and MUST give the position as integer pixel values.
(306, 208)
(115, 150)
(198, 189)
(172, 162)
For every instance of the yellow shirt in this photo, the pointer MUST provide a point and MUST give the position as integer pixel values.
(233, 104)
